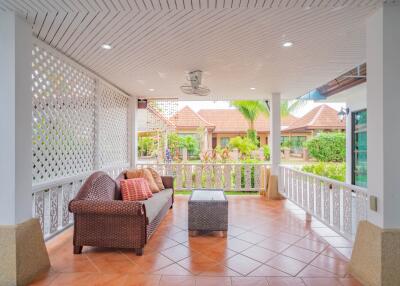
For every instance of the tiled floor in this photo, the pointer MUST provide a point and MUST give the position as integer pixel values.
(268, 243)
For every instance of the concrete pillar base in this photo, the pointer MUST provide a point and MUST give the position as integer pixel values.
(23, 253)
(376, 255)
(273, 193)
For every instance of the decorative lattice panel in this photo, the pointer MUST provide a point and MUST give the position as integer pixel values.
(62, 118)
(161, 114)
(113, 127)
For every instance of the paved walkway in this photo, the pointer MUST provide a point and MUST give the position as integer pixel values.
(269, 243)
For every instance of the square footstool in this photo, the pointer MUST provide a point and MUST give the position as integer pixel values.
(208, 211)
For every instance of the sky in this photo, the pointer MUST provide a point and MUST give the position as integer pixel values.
(197, 105)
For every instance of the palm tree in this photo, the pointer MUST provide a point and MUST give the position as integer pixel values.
(251, 109)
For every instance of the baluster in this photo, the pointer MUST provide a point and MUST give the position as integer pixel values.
(53, 209)
(228, 177)
(327, 203)
(347, 209)
(305, 192)
(198, 176)
(218, 176)
(318, 194)
(311, 194)
(336, 206)
(290, 183)
(208, 174)
(66, 197)
(238, 177)
(39, 208)
(295, 188)
(179, 176)
(257, 177)
(188, 177)
(247, 177)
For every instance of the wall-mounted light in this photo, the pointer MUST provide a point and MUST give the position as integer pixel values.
(343, 113)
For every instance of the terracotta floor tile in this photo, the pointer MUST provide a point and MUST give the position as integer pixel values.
(286, 264)
(213, 281)
(177, 281)
(312, 271)
(284, 281)
(330, 264)
(258, 232)
(249, 281)
(251, 237)
(238, 245)
(313, 245)
(258, 253)
(321, 282)
(273, 244)
(177, 252)
(142, 280)
(301, 254)
(242, 264)
(265, 270)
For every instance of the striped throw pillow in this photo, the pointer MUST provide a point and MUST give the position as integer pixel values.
(135, 189)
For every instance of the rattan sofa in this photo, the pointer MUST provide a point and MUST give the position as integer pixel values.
(102, 219)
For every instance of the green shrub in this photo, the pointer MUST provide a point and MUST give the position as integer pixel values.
(146, 146)
(335, 171)
(328, 147)
(252, 135)
(267, 152)
(244, 145)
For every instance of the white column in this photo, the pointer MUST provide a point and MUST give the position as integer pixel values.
(275, 127)
(15, 120)
(383, 100)
(132, 131)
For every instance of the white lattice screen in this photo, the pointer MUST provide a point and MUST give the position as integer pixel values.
(113, 127)
(67, 125)
(159, 113)
(62, 118)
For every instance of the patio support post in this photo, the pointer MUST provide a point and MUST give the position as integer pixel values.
(275, 144)
(132, 131)
(22, 250)
(376, 253)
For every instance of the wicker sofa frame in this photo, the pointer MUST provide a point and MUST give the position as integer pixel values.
(102, 219)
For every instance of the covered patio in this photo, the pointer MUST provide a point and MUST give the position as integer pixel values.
(73, 78)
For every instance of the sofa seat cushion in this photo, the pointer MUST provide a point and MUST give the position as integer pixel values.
(156, 203)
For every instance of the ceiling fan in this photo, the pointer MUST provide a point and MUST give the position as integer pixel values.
(195, 87)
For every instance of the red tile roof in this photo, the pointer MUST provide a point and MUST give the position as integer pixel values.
(232, 121)
(321, 117)
(187, 118)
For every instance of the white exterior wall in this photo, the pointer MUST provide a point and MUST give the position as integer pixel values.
(275, 127)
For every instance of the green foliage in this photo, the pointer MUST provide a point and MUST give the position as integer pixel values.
(245, 145)
(146, 146)
(335, 171)
(267, 152)
(328, 147)
(252, 135)
(177, 142)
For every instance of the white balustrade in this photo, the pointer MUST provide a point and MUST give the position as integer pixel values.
(227, 176)
(338, 205)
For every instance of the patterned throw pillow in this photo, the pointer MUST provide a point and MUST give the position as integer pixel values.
(157, 179)
(146, 174)
(135, 189)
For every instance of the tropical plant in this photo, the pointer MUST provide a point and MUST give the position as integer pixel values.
(335, 171)
(251, 109)
(328, 147)
(245, 145)
(146, 146)
(267, 152)
(191, 144)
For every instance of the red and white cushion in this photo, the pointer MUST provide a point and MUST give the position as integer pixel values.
(135, 189)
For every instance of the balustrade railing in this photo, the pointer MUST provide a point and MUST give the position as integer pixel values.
(338, 205)
(50, 200)
(227, 176)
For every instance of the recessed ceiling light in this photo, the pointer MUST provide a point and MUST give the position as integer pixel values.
(252, 88)
(287, 44)
(151, 89)
(106, 46)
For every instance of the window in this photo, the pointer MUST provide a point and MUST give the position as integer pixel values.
(224, 141)
(359, 148)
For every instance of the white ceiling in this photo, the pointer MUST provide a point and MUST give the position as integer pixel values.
(237, 43)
